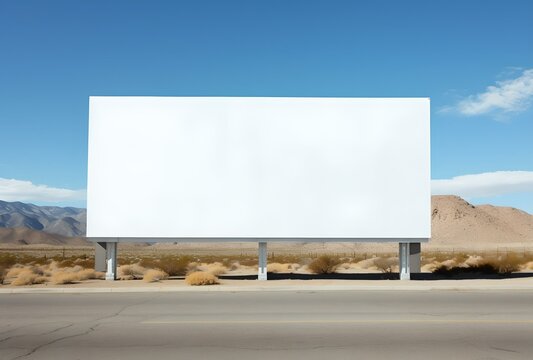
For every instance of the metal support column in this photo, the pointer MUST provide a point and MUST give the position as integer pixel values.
(100, 256)
(262, 274)
(111, 261)
(414, 257)
(405, 269)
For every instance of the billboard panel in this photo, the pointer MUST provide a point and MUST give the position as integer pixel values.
(244, 168)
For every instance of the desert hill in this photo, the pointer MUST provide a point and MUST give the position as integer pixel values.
(455, 222)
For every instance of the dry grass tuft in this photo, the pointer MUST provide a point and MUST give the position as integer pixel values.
(509, 263)
(27, 277)
(86, 274)
(235, 266)
(472, 264)
(8, 260)
(367, 264)
(214, 268)
(386, 265)
(527, 266)
(154, 275)
(64, 277)
(37, 274)
(324, 264)
(487, 269)
(15, 271)
(201, 278)
(193, 266)
(279, 268)
(130, 272)
(172, 265)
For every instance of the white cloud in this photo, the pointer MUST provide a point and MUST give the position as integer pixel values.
(21, 190)
(512, 95)
(485, 184)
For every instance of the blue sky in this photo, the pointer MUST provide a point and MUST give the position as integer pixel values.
(473, 58)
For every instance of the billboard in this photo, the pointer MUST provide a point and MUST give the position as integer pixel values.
(251, 168)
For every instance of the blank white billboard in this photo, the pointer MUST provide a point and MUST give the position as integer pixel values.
(245, 168)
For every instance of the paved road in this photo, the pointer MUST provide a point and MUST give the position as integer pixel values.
(268, 325)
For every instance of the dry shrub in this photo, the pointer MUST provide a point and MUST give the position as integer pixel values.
(345, 266)
(504, 264)
(55, 274)
(367, 264)
(504, 267)
(130, 272)
(487, 269)
(154, 275)
(429, 267)
(279, 268)
(87, 274)
(87, 263)
(324, 264)
(473, 260)
(295, 266)
(450, 263)
(8, 260)
(287, 259)
(235, 266)
(192, 267)
(527, 266)
(351, 267)
(461, 257)
(509, 263)
(173, 266)
(215, 268)
(15, 271)
(64, 277)
(27, 277)
(201, 278)
(51, 268)
(386, 265)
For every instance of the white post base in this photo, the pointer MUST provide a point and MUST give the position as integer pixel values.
(262, 273)
(405, 268)
(111, 261)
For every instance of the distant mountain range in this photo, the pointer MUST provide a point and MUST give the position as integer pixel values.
(454, 221)
(25, 236)
(64, 221)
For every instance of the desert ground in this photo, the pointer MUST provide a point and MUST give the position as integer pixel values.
(483, 240)
(33, 265)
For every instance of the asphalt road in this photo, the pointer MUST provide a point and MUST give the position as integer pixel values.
(268, 325)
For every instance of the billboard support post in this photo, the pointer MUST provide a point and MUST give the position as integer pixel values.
(414, 257)
(111, 261)
(262, 274)
(100, 256)
(405, 271)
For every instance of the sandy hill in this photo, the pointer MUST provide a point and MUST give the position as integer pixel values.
(455, 221)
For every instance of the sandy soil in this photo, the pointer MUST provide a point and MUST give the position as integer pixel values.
(517, 283)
